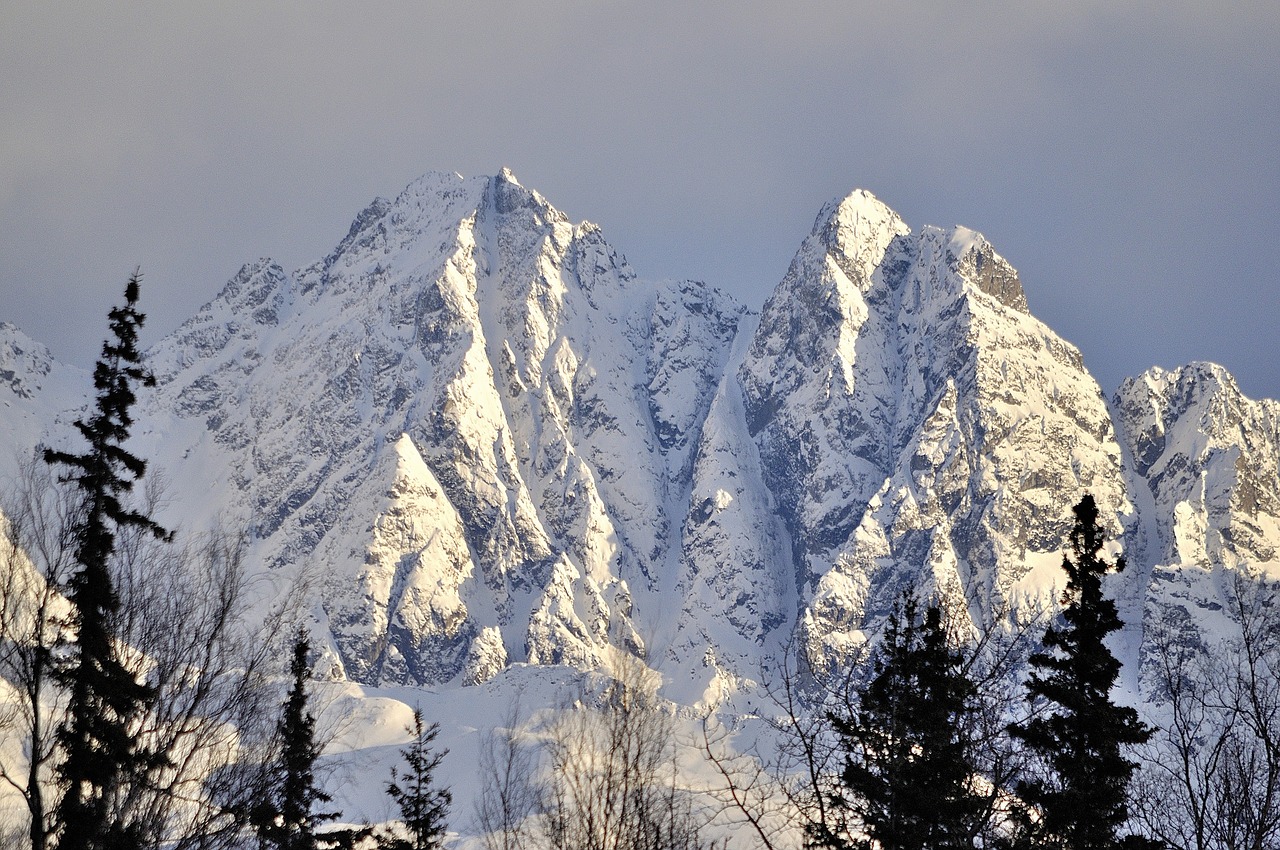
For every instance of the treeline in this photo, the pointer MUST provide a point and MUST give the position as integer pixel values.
(932, 747)
(932, 743)
(132, 681)
(149, 714)
(941, 739)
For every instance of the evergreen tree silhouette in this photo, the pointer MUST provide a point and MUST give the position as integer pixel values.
(100, 750)
(909, 769)
(423, 806)
(285, 818)
(1080, 800)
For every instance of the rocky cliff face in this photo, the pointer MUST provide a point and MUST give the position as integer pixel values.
(916, 425)
(476, 437)
(469, 426)
(1202, 464)
(35, 392)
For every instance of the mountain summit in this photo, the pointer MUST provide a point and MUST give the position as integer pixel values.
(471, 422)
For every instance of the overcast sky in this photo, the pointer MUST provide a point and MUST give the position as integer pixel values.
(1125, 157)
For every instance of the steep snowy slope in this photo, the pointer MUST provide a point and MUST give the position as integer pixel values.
(38, 396)
(1204, 465)
(915, 424)
(468, 427)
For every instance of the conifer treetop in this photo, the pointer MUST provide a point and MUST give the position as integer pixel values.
(1080, 793)
(100, 751)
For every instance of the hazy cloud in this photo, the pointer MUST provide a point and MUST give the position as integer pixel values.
(1121, 155)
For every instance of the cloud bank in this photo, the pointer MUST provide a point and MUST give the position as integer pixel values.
(1120, 155)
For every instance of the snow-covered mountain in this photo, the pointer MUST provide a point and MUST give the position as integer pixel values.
(475, 437)
(1202, 463)
(915, 423)
(470, 426)
(35, 393)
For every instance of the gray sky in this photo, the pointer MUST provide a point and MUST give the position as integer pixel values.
(1125, 157)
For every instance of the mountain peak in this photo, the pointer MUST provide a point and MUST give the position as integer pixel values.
(859, 203)
(11, 335)
(856, 231)
(512, 198)
(1193, 381)
(23, 361)
(859, 213)
(981, 266)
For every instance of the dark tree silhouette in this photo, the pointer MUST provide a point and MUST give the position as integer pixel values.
(1211, 776)
(910, 766)
(36, 525)
(284, 818)
(1079, 799)
(99, 747)
(423, 806)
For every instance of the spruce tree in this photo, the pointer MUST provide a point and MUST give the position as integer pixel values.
(909, 770)
(284, 818)
(1080, 799)
(100, 751)
(422, 805)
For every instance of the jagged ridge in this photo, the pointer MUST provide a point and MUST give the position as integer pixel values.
(482, 440)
